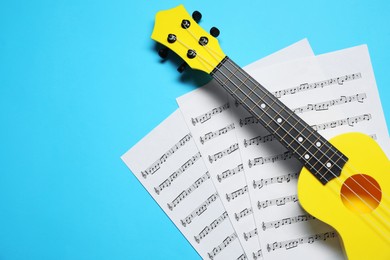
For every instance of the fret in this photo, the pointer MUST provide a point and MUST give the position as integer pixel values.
(308, 146)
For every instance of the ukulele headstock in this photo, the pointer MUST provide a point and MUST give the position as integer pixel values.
(177, 30)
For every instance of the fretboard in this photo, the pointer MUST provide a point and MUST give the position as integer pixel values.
(319, 156)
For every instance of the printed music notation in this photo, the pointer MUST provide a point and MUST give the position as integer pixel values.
(258, 140)
(211, 135)
(235, 194)
(280, 179)
(243, 213)
(277, 202)
(350, 121)
(206, 116)
(188, 191)
(248, 121)
(334, 102)
(199, 210)
(211, 227)
(242, 257)
(228, 173)
(221, 154)
(257, 254)
(270, 159)
(309, 107)
(320, 84)
(287, 221)
(250, 234)
(188, 195)
(225, 243)
(156, 165)
(293, 243)
(177, 173)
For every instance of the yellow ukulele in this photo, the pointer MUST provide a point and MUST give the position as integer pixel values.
(345, 182)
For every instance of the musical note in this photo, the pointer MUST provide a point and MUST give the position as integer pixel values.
(286, 221)
(211, 135)
(293, 243)
(228, 173)
(309, 107)
(243, 213)
(221, 154)
(177, 173)
(277, 202)
(206, 116)
(250, 234)
(188, 191)
(258, 140)
(350, 121)
(226, 242)
(235, 194)
(205, 231)
(257, 254)
(156, 165)
(320, 84)
(270, 159)
(248, 121)
(325, 105)
(242, 257)
(280, 179)
(199, 210)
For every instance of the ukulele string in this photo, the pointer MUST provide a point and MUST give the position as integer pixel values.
(209, 50)
(298, 121)
(371, 224)
(384, 195)
(247, 96)
(311, 131)
(352, 190)
(223, 83)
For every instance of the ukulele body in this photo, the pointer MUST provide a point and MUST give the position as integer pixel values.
(364, 232)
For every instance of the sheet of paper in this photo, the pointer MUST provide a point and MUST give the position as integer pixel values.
(206, 111)
(169, 165)
(335, 93)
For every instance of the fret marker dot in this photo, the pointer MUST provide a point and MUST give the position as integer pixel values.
(318, 144)
(328, 164)
(279, 120)
(300, 139)
(307, 156)
(262, 105)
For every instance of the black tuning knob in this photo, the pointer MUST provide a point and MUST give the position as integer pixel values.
(163, 53)
(214, 32)
(196, 15)
(182, 67)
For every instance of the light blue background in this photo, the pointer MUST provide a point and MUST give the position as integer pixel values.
(81, 82)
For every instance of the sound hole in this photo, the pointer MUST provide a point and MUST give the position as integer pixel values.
(361, 193)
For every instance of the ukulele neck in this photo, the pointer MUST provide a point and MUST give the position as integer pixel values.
(320, 157)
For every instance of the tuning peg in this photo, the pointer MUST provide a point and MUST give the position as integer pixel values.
(196, 15)
(214, 31)
(182, 67)
(163, 53)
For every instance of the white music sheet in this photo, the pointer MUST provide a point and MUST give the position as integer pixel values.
(335, 93)
(206, 112)
(169, 165)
